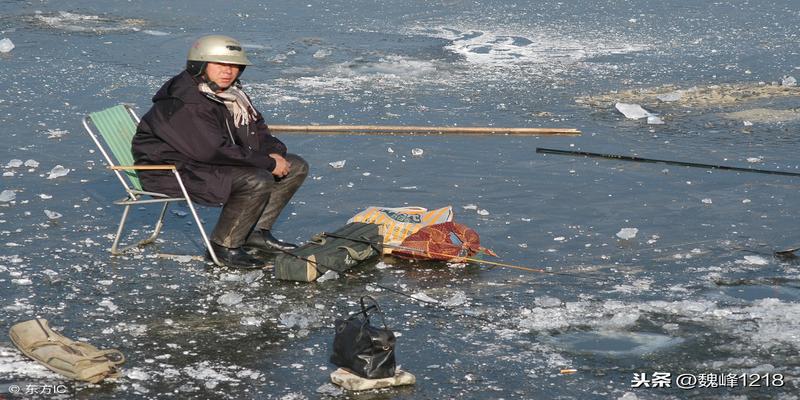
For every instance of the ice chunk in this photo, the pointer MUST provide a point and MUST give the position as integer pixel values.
(322, 53)
(457, 299)
(56, 133)
(747, 123)
(707, 201)
(58, 171)
(301, 319)
(632, 111)
(14, 163)
(137, 374)
(755, 159)
(788, 81)
(482, 212)
(328, 276)
(424, 298)
(330, 389)
(6, 45)
(755, 260)
(390, 150)
(230, 299)
(627, 233)
(671, 96)
(654, 120)
(251, 321)
(183, 259)
(470, 207)
(108, 304)
(547, 302)
(7, 195)
(417, 152)
(22, 282)
(52, 214)
(31, 163)
(338, 164)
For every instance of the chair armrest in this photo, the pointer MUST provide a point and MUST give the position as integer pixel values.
(142, 167)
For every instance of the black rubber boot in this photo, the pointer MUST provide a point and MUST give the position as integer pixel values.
(263, 240)
(235, 258)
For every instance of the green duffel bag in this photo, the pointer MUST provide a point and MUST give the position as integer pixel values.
(338, 251)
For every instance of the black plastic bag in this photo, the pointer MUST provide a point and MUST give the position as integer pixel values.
(364, 349)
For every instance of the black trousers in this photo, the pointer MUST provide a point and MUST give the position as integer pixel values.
(257, 199)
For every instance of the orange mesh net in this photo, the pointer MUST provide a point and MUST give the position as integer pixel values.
(449, 241)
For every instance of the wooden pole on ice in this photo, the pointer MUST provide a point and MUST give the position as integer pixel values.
(424, 130)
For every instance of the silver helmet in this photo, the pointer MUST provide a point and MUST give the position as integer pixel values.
(218, 48)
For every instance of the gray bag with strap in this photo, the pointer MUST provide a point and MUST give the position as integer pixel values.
(338, 251)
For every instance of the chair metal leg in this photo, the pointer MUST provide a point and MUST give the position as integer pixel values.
(157, 230)
(197, 220)
(114, 245)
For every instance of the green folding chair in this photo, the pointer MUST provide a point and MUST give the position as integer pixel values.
(116, 126)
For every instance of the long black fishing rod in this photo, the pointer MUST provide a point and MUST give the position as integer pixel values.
(430, 253)
(658, 161)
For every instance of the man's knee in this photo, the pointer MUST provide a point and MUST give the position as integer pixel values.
(299, 165)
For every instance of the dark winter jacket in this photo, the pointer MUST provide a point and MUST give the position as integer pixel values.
(197, 134)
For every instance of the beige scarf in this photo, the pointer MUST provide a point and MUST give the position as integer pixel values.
(235, 100)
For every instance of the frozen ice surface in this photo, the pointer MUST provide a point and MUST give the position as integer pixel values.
(627, 233)
(6, 45)
(632, 111)
(417, 152)
(7, 195)
(230, 299)
(58, 171)
(337, 164)
(13, 364)
(52, 214)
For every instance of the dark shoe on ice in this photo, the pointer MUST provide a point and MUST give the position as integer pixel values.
(235, 257)
(264, 241)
